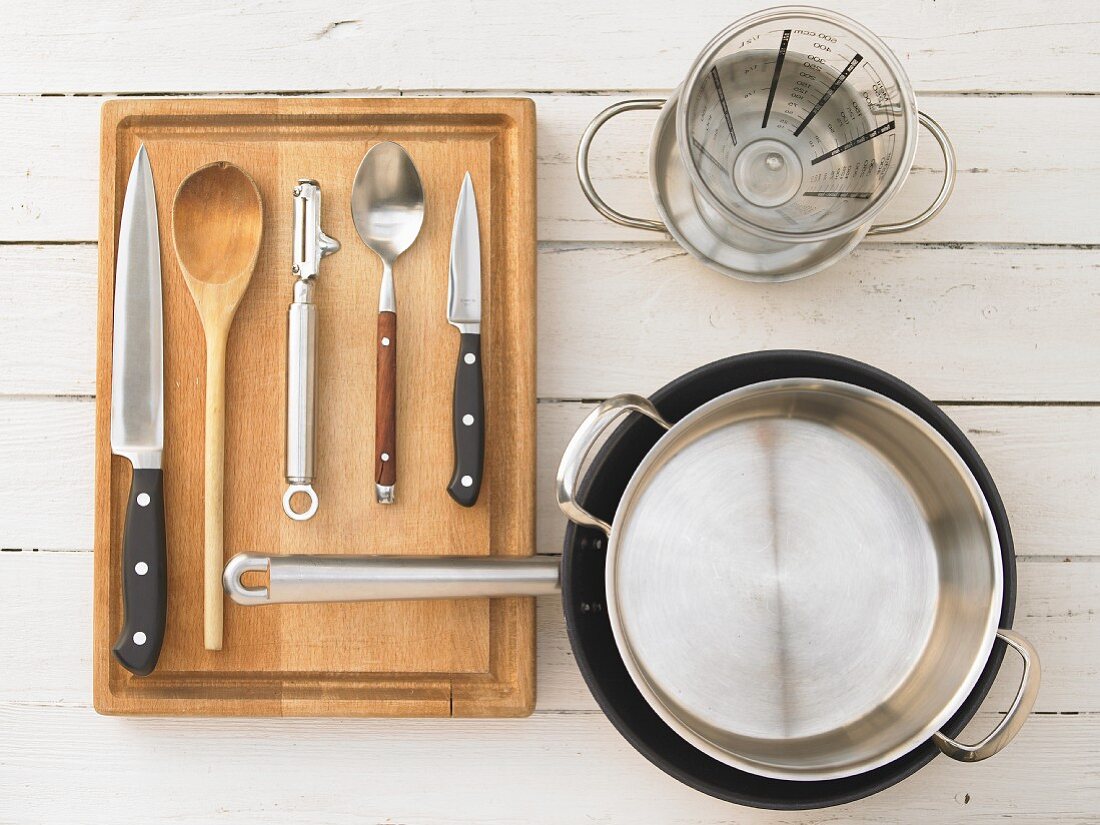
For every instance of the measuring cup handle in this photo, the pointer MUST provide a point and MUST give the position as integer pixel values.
(582, 164)
(949, 170)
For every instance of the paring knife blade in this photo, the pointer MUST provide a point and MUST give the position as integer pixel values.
(137, 421)
(464, 312)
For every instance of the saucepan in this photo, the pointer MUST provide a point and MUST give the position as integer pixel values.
(789, 579)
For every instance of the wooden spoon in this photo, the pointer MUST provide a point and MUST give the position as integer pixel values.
(217, 223)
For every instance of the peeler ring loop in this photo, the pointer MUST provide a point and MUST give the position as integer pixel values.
(306, 514)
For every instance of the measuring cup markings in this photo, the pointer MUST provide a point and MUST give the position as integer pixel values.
(855, 61)
(779, 58)
(703, 151)
(722, 99)
(854, 119)
(793, 129)
(851, 112)
(851, 144)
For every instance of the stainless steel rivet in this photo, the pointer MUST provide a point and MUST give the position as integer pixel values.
(141, 568)
(467, 419)
(143, 499)
(139, 638)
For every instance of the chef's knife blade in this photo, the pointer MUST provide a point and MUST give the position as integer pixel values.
(137, 421)
(464, 312)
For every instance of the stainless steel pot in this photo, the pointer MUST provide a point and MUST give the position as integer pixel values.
(803, 578)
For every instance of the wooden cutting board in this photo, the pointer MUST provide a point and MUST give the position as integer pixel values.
(446, 658)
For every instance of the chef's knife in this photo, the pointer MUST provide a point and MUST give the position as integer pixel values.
(464, 312)
(137, 421)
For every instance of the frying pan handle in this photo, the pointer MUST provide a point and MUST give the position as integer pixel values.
(585, 177)
(1006, 731)
(581, 444)
(949, 169)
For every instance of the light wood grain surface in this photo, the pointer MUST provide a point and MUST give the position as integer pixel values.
(991, 309)
(464, 658)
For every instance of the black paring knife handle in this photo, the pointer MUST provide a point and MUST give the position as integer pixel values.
(469, 422)
(144, 575)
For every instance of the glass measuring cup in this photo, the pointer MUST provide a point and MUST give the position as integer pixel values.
(794, 128)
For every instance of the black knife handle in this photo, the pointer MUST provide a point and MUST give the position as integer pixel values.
(144, 575)
(469, 422)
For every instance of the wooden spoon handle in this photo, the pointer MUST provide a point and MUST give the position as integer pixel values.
(385, 409)
(213, 498)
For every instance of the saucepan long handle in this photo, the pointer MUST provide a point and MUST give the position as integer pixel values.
(297, 579)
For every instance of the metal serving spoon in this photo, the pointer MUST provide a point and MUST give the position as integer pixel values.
(387, 205)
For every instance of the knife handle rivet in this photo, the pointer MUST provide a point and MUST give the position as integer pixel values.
(467, 481)
(143, 499)
(141, 568)
(385, 456)
(470, 358)
(468, 419)
(139, 638)
(385, 342)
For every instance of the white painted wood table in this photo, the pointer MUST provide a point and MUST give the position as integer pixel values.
(993, 309)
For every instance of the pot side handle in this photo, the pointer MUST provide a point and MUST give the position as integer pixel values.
(1008, 727)
(581, 444)
(950, 165)
(585, 177)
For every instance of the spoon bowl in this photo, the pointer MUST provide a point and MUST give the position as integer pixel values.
(217, 225)
(387, 201)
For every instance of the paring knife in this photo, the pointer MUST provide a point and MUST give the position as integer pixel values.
(137, 421)
(464, 312)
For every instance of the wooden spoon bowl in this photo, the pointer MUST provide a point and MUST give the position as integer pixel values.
(217, 225)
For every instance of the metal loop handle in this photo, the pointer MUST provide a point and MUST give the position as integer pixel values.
(1008, 727)
(234, 571)
(949, 171)
(569, 471)
(585, 177)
